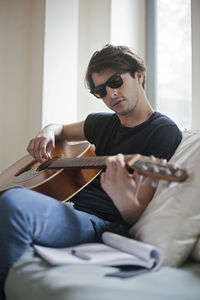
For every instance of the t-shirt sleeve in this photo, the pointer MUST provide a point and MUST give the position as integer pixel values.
(164, 141)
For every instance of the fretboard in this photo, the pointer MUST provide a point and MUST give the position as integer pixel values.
(96, 162)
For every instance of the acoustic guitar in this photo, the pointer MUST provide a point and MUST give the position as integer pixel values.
(73, 166)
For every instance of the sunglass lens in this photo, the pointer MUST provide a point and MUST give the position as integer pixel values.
(100, 92)
(115, 81)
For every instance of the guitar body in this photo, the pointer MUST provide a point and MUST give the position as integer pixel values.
(61, 184)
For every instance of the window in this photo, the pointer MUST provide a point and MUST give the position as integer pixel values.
(174, 76)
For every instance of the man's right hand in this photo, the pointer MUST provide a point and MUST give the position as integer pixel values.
(41, 146)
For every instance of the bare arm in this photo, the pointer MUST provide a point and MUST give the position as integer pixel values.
(41, 146)
(129, 196)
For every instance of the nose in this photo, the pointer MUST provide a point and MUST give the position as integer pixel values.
(112, 93)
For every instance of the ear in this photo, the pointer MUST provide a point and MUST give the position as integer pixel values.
(139, 76)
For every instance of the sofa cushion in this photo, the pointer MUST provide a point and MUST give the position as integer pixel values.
(32, 278)
(172, 219)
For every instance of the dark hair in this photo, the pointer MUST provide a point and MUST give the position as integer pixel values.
(119, 58)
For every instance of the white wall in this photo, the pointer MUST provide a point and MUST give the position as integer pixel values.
(36, 52)
(60, 62)
(195, 9)
(128, 24)
(94, 33)
(21, 29)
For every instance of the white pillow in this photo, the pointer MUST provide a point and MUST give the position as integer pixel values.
(172, 219)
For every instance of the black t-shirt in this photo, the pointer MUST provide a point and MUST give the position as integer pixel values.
(158, 136)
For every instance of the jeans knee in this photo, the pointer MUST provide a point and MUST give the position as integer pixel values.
(10, 201)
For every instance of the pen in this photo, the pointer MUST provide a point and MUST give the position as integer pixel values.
(79, 254)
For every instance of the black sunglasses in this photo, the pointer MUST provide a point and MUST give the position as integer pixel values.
(114, 82)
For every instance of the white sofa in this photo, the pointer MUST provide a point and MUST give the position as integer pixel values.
(171, 222)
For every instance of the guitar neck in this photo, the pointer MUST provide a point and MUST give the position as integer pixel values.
(146, 166)
(94, 162)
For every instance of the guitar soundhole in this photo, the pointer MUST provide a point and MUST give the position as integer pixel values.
(26, 168)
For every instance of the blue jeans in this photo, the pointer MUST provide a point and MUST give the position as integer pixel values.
(28, 217)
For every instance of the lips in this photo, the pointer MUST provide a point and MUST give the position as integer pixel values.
(117, 102)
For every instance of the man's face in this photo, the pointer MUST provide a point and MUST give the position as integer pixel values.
(123, 99)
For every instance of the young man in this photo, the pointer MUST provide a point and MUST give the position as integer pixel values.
(112, 201)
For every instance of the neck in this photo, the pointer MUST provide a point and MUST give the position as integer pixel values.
(141, 113)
